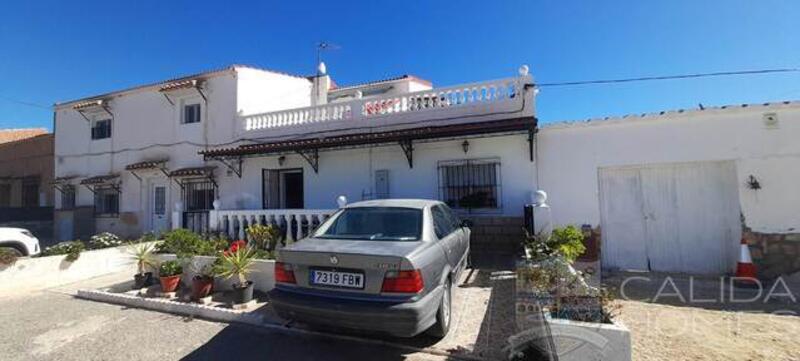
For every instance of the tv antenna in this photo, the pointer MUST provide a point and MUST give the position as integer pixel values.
(323, 46)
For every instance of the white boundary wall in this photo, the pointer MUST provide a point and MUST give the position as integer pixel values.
(37, 273)
(570, 154)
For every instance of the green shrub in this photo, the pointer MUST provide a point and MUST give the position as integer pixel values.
(185, 244)
(72, 249)
(7, 257)
(147, 237)
(263, 237)
(564, 241)
(104, 240)
(170, 268)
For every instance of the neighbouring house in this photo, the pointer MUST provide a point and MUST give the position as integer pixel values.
(26, 174)
(216, 150)
(676, 191)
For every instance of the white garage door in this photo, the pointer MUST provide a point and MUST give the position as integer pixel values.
(672, 218)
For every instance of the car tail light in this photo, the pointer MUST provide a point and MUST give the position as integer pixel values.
(284, 273)
(403, 282)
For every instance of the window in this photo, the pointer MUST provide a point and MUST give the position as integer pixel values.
(191, 114)
(470, 184)
(101, 129)
(68, 197)
(5, 195)
(30, 193)
(106, 202)
(442, 223)
(198, 195)
(375, 224)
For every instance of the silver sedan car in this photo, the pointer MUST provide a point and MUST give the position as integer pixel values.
(385, 265)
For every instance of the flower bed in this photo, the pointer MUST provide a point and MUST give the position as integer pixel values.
(263, 275)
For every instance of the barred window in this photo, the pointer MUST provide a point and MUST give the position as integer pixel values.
(30, 193)
(101, 129)
(470, 183)
(198, 195)
(68, 196)
(106, 202)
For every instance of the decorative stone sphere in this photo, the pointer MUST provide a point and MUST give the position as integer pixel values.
(539, 197)
(216, 204)
(523, 70)
(341, 201)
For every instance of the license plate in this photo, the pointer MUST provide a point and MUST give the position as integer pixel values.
(337, 279)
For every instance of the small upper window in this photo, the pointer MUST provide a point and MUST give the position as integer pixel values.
(101, 129)
(191, 113)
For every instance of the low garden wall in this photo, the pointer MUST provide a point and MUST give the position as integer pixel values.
(43, 272)
(263, 275)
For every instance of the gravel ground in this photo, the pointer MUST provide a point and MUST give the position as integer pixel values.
(707, 324)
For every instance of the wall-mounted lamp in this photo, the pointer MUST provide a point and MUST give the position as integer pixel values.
(282, 160)
(753, 183)
(465, 146)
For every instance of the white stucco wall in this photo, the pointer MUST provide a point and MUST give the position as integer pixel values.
(147, 127)
(351, 173)
(570, 154)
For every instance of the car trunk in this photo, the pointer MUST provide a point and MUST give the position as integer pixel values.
(372, 259)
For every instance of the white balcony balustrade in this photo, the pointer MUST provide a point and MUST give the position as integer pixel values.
(294, 224)
(484, 101)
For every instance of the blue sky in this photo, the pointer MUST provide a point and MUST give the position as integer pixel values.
(57, 51)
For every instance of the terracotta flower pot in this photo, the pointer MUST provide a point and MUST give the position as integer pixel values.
(201, 287)
(170, 283)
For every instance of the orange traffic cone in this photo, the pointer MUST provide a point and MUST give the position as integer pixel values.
(745, 269)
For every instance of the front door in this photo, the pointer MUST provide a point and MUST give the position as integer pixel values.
(159, 221)
(293, 189)
(283, 189)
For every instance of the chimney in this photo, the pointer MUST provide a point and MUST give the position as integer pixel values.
(319, 90)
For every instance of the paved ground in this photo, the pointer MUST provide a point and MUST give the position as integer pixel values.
(53, 325)
(674, 317)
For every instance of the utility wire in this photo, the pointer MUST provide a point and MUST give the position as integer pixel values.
(22, 102)
(668, 77)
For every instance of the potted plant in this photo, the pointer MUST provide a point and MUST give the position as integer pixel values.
(143, 255)
(238, 263)
(203, 281)
(170, 275)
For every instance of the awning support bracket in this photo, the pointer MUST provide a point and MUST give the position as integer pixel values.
(200, 90)
(84, 115)
(312, 157)
(136, 176)
(90, 188)
(408, 149)
(234, 165)
(168, 99)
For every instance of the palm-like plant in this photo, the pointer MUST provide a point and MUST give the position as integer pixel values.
(238, 263)
(143, 254)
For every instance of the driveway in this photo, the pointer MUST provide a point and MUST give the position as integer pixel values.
(53, 325)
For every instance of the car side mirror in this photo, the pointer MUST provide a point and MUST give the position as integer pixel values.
(466, 223)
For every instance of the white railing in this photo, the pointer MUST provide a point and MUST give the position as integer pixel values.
(294, 224)
(484, 94)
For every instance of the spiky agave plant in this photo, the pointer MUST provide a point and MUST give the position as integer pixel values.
(143, 254)
(238, 263)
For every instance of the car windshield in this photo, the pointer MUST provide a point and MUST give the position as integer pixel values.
(376, 223)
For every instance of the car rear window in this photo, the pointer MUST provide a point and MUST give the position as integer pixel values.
(376, 223)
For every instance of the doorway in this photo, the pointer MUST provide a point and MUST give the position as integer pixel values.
(159, 222)
(283, 189)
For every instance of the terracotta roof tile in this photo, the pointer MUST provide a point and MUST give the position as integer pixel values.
(11, 135)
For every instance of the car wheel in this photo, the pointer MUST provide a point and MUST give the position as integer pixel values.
(443, 314)
(14, 251)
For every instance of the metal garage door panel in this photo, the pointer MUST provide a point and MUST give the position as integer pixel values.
(623, 227)
(660, 213)
(709, 225)
(688, 217)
